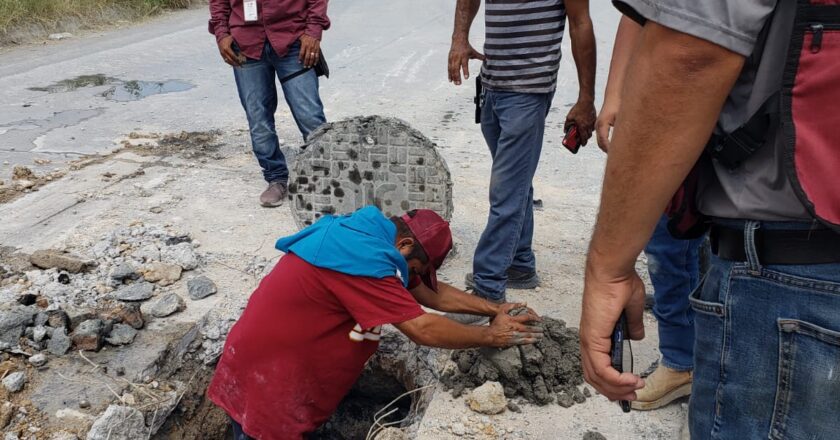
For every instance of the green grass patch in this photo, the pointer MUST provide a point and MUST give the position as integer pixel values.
(51, 15)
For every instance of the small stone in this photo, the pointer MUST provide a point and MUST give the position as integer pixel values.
(391, 434)
(59, 343)
(121, 334)
(155, 209)
(181, 254)
(15, 381)
(135, 292)
(593, 435)
(88, 335)
(586, 392)
(128, 398)
(39, 333)
(58, 318)
(513, 407)
(118, 423)
(78, 315)
(60, 36)
(162, 273)
(120, 371)
(27, 299)
(84, 404)
(123, 271)
(126, 313)
(489, 398)
(38, 360)
(200, 287)
(50, 258)
(167, 305)
(13, 323)
(458, 428)
(63, 435)
(42, 318)
(564, 399)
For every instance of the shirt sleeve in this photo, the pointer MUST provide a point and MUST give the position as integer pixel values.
(373, 301)
(219, 18)
(734, 25)
(316, 18)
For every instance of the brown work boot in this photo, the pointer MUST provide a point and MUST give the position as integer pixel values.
(274, 195)
(662, 387)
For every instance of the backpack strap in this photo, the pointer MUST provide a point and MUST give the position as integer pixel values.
(732, 149)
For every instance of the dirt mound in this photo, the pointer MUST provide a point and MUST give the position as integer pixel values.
(541, 373)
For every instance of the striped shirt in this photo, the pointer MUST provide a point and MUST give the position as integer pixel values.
(522, 44)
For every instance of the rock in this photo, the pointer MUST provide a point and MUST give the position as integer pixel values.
(60, 36)
(42, 318)
(64, 435)
(513, 407)
(15, 381)
(118, 423)
(181, 254)
(39, 333)
(6, 413)
(564, 399)
(13, 323)
(135, 292)
(78, 315)
(38, 360)
(88, 335)
(59, 343)
(69, 415)
(593, 435)
(27, 299)
(121, 334)
(162, 273)
(458, 428)
(201, 287)
(123, 271)
(126, 313)
(586, 392)
(391, 434)
(11, 436)
(22, 172)
(58, 318)
(167, 305)
(49, 259)
(84, 404)
(489, 398)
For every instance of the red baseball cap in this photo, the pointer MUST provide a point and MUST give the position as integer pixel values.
(433, 234)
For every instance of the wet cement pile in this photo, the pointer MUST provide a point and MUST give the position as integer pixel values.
(547, 371)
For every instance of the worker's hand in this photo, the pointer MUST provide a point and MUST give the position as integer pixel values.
(605, 123)
(228, 54)
(605, 296)
(513, 306)
(583, 116)
(310, 51)
(506, 330)
(460, 54)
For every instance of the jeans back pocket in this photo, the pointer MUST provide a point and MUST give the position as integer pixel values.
(808, 390)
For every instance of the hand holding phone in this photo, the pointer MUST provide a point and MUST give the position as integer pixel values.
(572, 139)
(621, 353)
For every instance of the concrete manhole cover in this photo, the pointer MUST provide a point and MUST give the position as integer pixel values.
(364, 161)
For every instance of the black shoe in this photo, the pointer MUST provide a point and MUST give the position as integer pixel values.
(516, 280)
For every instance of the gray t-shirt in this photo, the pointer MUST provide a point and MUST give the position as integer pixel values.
(759, 189)
(522, 45)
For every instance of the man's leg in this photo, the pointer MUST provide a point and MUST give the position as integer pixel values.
(301, 92)
(674, 267)
(258, 94)
(520, 118)
(767, 345)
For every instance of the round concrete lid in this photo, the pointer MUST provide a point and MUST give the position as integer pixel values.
(362, 161)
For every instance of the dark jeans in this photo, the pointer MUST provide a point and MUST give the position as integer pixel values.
(767, 353)
(513, 125)
(255, 81)
(238, 434)
(674, 268)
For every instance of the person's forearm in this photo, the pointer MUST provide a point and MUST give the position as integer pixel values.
(437, 331)
(219, 18)
(625, 41)
(465, 11)
(316, 18)
(584, 53)
(674, 89)
(451, 299)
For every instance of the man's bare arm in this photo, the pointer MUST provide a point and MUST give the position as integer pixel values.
(451, 299)
(674, 89)
(504, 331)
(625, 40)
(584, 53)
(461, 52)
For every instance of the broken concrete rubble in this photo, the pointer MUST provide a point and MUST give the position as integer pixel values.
(121, 334)
(201, 287)
(88, 335)
(13, 322)
(135, 292)
(60, 343)
(14, 382)
(118, 423)
(489, 398)
(164, 306)
(161, 273)
(52, 259)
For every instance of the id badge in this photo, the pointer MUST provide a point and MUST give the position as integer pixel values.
(251, 10)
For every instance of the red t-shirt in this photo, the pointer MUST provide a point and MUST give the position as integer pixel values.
(300, 345)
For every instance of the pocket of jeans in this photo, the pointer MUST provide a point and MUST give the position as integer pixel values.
(808, 387)
(705, 298)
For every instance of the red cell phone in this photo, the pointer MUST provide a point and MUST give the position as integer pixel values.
(572, 140)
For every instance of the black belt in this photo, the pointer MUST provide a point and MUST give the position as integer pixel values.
(817, 246)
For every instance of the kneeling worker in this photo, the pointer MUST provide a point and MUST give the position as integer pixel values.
(315, 320)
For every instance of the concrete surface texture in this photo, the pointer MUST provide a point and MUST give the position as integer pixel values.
(386, 59)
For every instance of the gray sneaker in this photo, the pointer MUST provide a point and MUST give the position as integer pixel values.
(470, 319)
(274, 195)
(516, 280)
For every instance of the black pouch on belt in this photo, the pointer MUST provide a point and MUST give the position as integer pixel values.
(479, 96)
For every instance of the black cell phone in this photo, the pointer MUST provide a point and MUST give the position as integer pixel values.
(621, 354)
(479, 96)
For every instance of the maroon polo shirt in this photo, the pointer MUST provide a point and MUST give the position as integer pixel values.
(281, 21)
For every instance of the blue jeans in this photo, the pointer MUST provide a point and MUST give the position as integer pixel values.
(674, 268)
(258, 94)
(767, 361)
(513, 125)
(238, 433)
